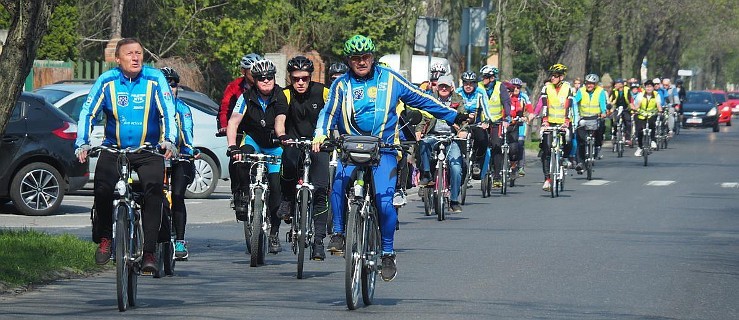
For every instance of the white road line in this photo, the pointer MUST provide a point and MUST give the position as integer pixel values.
(729, 184)
(596, 183)
(659, 183)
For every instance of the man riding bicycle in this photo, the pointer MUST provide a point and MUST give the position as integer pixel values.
(305, 100)
(138, 107)
(433, 128)
(555, 102)
(365, 102)
(621, 97)
(262, 110)
(499, 109)
(590, 102)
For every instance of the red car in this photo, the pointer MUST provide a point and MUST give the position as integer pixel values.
(724, 108)
(734, 101)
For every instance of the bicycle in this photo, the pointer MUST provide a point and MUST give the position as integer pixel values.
(632, 134)
(647, 140)
(557, 170)
(256, 224)
(676, 118)
(467, 173)
(128, 232)
(436, 196)
(507, 177)
(659, 131)
(618, 140)
(301, 230)
(591, 126)
(363, 239)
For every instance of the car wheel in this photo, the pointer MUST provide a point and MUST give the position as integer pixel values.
(37, 189)
(715, 127)
(4, 201)
(206, 178)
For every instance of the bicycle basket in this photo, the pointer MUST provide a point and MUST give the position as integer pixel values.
(589, 124)
(360, 149)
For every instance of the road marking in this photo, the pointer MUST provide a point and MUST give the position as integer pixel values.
(729, 184)
(659, 183)
(596, 183)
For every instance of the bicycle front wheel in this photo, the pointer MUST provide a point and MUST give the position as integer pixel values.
(353, 253)
(258, 239)
(439, 205)
(122, 241)
(504, 173)
(427, 199)
(373, 249)
(303, 232)
(553, 172)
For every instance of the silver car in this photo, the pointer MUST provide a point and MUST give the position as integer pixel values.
(212, 165)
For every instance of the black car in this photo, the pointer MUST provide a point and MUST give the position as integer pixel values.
(700, 110)
(37, 157)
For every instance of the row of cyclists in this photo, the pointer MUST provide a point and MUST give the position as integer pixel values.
(364, 98)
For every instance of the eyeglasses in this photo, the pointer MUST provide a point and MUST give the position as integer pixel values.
(360, 58)
(264, 78)
(298, 79)
(469, 83)
(554, 75)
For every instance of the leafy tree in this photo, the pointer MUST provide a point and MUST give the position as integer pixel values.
(60, 43)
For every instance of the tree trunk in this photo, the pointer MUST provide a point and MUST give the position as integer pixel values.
(29, 20)
(453, 12)
(116, 19)
(409, 39)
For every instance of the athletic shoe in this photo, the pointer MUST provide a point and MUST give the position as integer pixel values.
(476, 171)
(180, 250)
(399, 199)
(547, 185)
(521, 172)
(653, 144)
(274, 244)
(456, 208)
(578, 168)
(337, 243)
(102, 254)
(638, 152)
(150, 263)
(319, 253)
(283, 212)
(389, 268)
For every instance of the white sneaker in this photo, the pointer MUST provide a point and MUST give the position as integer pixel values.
(638, 152)
(399, 199)
(653, 145)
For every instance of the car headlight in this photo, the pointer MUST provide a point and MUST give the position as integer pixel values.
(711, 112)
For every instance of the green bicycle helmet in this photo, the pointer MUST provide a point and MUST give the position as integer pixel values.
(357, 45)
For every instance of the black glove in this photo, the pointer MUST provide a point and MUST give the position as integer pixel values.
(232, 150)
(461, 117)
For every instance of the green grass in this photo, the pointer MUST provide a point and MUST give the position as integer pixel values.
(29, 256)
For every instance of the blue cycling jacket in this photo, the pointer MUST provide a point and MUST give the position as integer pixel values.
(474, 101)
(374, 101)
(184, 127)
(136, 110)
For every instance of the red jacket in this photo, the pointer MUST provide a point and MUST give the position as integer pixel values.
(234, 89)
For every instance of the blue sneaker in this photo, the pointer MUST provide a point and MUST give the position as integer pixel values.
(180, 250)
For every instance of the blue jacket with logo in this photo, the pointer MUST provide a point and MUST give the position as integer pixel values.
(136, 110)
(183, 118)
(391, 88)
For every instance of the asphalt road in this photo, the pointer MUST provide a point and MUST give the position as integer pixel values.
(657, 242)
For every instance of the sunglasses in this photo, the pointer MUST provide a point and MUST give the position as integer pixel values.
(555, 75)
(298, 79)
(264, 78)
(444, 87)
(360, 58)
(173, 84)
(469, 83)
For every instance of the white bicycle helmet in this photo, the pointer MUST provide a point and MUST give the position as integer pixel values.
(592, 78)
(248, 60)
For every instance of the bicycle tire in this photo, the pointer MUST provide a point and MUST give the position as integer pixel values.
(553, 175)
(247, 223)
(303, 233)
(590, 160)
(504, 174)
(122, 266)
(439, 205)
(645, 154)
(465, 183)
(373, 250)
(484, 185)
(353, 257)
(170, 260)
(159, 253)
(257, 240)
(427, 205)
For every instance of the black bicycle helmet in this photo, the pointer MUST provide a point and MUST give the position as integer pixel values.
(170, 74)
(337, 67)
(300, 63)
(469, 76)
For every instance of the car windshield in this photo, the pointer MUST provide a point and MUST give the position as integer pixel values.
(52, 95)
(698, 97)
(734, 95)
(197, 105)
(720, 97)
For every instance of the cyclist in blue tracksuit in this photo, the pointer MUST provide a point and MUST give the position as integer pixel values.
(364, 101)
(475, 103)
(138, 107)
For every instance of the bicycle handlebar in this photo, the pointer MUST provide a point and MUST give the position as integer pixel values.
(147, 147)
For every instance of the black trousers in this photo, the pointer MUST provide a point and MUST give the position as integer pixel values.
(582, 136)
(496, 141)
(292, 164)
(480, 136)
(546, 152)
(640, 124)
(183, 173)
(150, 169)
(275, 193)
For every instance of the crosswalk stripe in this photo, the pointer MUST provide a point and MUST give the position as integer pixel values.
(659, 183)
(730, 185)
(596, 183)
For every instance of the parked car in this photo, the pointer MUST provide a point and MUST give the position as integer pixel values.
(722, 103)
(37, 157)
(213, 164)
(734, 101)
(700, 110)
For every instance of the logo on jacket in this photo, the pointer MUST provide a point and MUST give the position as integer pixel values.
(372, 93)
(358, 93)
(138, 98)
(122, 100)
(315, 106)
